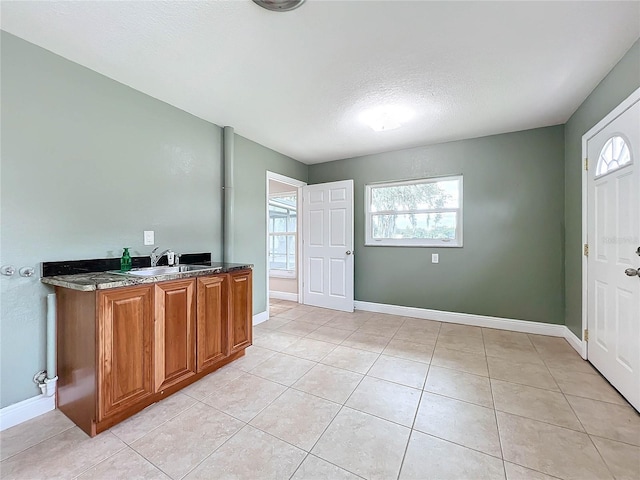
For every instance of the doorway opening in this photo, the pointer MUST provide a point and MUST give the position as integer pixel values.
(284, 227)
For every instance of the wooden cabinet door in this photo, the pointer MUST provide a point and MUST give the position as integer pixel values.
(213, 309)
(240, 330)
(175, 330)
(125, 336)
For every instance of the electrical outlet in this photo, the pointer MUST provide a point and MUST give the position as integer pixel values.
(148, 237)
(435, 258)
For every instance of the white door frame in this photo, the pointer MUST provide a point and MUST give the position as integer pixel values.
(626, 103)
(299, 265)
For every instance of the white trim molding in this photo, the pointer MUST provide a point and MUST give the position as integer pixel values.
(261, 317)
(578, 345)
(26, 410)
(292, 297)
(523, 326)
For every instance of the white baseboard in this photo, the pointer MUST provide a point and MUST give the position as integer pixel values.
(576, 343)
(523, 326)
(26, 410)
(261, 317)
(292, 297)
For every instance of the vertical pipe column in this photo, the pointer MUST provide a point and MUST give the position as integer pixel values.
(48, 384)
(228, 213)
(51, 336)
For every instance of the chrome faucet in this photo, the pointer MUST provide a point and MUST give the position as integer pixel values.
(155, 257)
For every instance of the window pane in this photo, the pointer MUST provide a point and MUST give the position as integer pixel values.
(279, 262)
(293, 218)
(282, 252)
(422, 225)
(442, 194)
(288, 201)
(280, 244)
(279, 225)
(291, 259)
(615, 154)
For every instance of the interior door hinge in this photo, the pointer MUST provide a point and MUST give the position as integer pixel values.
(586, 250)
(586, 164)
(586, 334)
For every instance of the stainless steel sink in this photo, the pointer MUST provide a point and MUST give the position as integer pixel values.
(157, 271)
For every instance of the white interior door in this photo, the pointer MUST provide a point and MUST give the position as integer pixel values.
(327, 231)
(613, 236)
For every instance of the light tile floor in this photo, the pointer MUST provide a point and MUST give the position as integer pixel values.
(330, 395)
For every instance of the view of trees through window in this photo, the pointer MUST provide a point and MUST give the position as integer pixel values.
(426, 209)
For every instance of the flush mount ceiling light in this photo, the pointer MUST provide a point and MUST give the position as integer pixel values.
(387, 117)
(279, 5)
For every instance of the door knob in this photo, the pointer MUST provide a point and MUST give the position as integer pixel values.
(348, 252)
(632, 272)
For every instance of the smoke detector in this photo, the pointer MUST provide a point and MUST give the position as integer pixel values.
(279, 5)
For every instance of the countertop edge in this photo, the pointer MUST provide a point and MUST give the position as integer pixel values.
(89, 282)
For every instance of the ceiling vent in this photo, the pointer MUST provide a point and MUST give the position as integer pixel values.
(279, 5)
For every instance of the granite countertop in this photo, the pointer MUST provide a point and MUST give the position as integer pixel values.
(92, 281)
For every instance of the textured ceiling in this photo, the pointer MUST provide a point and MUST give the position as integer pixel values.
(298, 81)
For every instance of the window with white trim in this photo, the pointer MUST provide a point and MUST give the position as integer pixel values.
(283, 218)
(414, 213)
(615, 154)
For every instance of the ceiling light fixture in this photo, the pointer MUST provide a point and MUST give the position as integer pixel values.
(279, 5)
(387, 117)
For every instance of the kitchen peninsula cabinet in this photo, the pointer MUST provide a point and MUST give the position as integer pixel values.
(121, 349)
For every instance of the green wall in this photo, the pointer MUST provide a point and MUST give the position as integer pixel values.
(511, 264)
(87, 165)
(252, 161)
(616, 86)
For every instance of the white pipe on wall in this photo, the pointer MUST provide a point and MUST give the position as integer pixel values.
(48, 386)
(228, 223)
(51, 335)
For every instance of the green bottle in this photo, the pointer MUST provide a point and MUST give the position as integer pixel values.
(125, 260)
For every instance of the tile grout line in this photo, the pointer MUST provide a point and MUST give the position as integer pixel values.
(342, 406)
(589, 436)
(495, 412)
(225, 413)
(238, 431)
(327, 461)
(412, 429)
(548, 423)
(532, 469)
(38, 442)
(160, 425)
(521, 416)
(125, 447)
(153, 429)
(612, 440)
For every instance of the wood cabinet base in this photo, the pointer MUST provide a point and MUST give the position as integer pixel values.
(115, 419)
(124, 349)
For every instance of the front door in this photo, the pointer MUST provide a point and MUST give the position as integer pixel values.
(613, 236)
(328, 245)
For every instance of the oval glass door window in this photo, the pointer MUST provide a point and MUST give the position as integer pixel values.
(614, 155)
